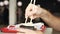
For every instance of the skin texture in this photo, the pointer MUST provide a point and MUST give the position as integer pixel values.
(28, 31)
(38, 12)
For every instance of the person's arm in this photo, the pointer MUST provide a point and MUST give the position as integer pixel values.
(37, 12)
(51, 20)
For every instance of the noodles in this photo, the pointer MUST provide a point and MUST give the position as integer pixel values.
(31, 21)
(26, 20)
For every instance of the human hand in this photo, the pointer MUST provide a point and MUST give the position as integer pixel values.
(33, 11)
(28, 31)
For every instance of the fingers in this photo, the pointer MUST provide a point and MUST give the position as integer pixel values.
(28, 31)
(32, 10)
(28, 10)
(34, 16)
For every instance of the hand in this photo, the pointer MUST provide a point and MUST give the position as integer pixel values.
(28, 31)
(33, 11)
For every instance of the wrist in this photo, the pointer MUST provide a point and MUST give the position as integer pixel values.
(45, 14)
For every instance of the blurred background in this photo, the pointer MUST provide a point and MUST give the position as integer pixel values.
(52, 5)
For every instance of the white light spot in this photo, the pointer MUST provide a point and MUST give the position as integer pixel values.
(6, 2)
(19, 3)
(1, 4)
(58, 0)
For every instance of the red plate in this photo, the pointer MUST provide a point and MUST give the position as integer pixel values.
(11, 29)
